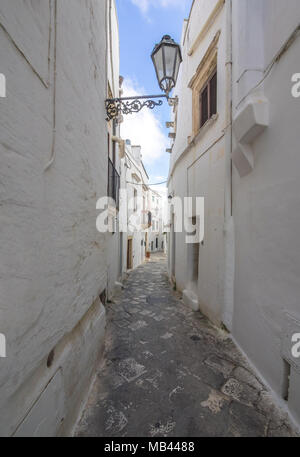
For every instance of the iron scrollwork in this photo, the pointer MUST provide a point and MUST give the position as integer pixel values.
(130, 105)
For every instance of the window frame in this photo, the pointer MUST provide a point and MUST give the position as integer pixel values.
(207, 86)
(203, 75)
(135, 197)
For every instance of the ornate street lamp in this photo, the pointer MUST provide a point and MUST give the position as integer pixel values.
(166, 58)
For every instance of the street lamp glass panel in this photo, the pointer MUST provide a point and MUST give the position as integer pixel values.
(166, 58)
(159, 64)
(170, 59)
(177, 65)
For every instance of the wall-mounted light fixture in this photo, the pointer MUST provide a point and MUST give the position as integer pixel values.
(166, 58)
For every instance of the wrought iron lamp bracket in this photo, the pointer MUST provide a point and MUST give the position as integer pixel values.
(130, 105)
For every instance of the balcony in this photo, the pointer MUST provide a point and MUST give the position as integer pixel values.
(113, 188)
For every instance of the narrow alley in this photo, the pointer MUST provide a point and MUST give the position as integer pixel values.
(167, 372)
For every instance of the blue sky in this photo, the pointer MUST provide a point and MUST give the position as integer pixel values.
(142, 24)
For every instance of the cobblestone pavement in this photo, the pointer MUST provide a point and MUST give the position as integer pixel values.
(167, 372)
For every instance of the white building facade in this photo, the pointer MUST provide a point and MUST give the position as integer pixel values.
(134, 181)
(198, 159)
(266, 190)
(115, 153)
(237, 146)
(157, 238)
(54, 167)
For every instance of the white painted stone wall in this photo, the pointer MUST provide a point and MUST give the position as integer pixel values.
(135, 179)
(256, 248)
(53, 262)
(113, 72)
(266, 202)
(156, 232)
(197, 166)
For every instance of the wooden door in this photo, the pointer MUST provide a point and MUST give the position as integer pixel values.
(129, 254)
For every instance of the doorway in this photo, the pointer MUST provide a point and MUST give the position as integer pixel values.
(129, 254)
(146, 244)
(173, 241)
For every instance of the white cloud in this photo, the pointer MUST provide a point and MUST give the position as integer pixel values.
(143, 128)
(145, 5)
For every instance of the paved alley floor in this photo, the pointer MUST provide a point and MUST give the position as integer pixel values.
(167, 372)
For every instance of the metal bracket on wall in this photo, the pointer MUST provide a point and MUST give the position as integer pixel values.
(130, 105)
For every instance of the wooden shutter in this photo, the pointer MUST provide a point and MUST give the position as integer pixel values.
(204, 106)
(213, 95)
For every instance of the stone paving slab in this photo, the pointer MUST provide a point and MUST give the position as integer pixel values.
(167, 372)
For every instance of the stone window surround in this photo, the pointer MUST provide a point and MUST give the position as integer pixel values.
(206, 69)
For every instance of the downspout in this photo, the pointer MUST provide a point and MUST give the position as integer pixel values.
(54, 96)
(107, 45)
(111, 50)
(121, 144)
(228, 303)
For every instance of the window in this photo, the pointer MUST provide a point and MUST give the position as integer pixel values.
(113, 186)
(204, 87)
(135, 200)
(114, 143)
(156, 243)
(208, 100)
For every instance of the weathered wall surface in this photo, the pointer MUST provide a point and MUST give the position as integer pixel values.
(266, 202)
(197, 161)
(53, 169)
(113, 73)
(134, 178)
(156, 202)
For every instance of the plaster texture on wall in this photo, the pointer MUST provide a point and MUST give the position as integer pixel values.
(197, 167)
(114, 247)
(266, 203)
(135, 179)
(15, 20)
(53, 261)
(156, 232)
(255, 246)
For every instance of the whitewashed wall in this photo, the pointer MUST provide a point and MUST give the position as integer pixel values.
(113, 72)
(199, 169)
(52, 261)
(266, 201)
(157, 229)
(135, 170)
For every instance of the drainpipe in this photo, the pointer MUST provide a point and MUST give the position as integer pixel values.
(114, 89)
(121, 144)
(228, 303)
